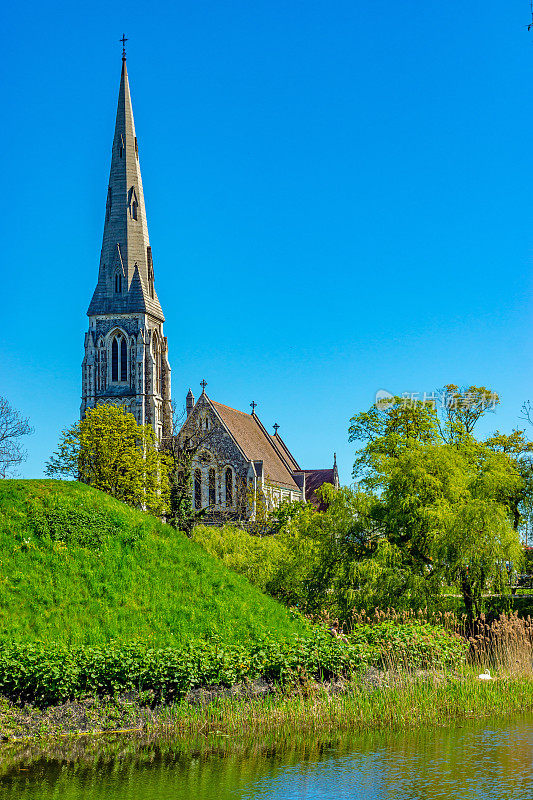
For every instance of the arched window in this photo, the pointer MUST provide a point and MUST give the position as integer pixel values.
(212, 487)
(119, 359)
(114, 360)
(229, 486)
(123, 360)
(197, 488)
(118, 283)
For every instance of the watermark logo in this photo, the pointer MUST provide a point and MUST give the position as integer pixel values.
(449, 401)
(384, 399)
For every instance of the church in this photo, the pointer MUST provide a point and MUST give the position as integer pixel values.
(126, 362)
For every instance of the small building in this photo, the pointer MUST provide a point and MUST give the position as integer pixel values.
(237, 465)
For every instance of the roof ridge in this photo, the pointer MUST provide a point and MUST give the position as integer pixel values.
(233, 409)
(276, 436)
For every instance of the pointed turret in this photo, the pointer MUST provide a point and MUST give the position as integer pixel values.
(126, 275)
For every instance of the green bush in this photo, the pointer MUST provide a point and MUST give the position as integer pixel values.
(47, 674)
(410, 644)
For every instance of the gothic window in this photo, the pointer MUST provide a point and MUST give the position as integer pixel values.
(123, 360)
(118, 283)
(132, 363)
(108, 204)
(119, 360)
(134, 205)
(229, 486)
(114, 360)
(197, 488)
(212, 492)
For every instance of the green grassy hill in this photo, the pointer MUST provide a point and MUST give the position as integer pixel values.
(77, 566)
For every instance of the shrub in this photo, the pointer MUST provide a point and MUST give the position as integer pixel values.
(48, 674)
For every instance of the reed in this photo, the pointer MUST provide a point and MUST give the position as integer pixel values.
(405, 702)
(506, 644)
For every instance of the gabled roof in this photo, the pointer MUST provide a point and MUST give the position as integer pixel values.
(256, 443)
(125, 242)
(288, 456)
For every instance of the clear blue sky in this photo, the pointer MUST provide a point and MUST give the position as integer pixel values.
(339, 198)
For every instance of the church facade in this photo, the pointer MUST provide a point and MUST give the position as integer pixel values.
(239, 469)
(237, 464)
(126, 351)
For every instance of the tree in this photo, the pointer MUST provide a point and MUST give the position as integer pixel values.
(520, 451)
(13, 426)
(447, 505)
(461, 410)
(446, 510)
(110, 451)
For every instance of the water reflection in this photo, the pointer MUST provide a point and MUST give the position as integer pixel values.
(475, 762)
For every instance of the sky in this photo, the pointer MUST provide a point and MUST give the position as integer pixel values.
(339, 197)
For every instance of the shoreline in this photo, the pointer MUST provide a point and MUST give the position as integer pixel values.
(380, 701)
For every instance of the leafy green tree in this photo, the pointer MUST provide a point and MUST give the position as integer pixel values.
(388, 428)
(461, 409)
(110, 451)
(446, 509)
(520, 451)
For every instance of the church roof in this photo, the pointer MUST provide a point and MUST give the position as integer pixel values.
(126, 248)
(257, 444)
(315, 478)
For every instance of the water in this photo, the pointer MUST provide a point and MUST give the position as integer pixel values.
(485, 761)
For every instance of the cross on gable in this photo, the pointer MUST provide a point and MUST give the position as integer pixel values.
(254, 406)
(275, 426)
(203, 384)
(123, 40)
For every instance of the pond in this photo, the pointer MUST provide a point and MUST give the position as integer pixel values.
(474, 761)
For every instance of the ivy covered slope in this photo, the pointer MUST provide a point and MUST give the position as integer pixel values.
(77, 566)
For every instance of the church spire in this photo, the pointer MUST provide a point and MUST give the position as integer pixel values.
(126, 275)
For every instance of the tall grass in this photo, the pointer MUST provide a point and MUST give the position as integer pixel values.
(505, 644)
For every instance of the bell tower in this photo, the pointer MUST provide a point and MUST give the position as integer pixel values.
(126, 352)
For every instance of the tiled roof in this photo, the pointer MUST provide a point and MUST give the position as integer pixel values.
(314, 479)
(256, 443)
(288, 456)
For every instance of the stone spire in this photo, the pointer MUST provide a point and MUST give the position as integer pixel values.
(126, 274)
(126, 350)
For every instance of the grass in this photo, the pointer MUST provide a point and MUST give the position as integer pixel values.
(435, 700)
(79, 567)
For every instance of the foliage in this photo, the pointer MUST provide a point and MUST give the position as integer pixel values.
(461, 409)
(111, 452)
(79, 567)
(386, 429)
(443, 508)
(48, 674)
(13, 426)
(260, 559)
(282, 514)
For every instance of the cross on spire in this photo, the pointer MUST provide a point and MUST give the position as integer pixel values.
(203, 384)
(275, 426)
(123, 40)
(254, 406)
